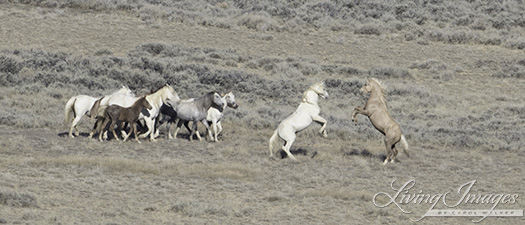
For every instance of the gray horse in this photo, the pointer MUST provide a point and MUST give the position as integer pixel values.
(196, 110)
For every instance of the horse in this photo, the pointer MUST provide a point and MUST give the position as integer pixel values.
(377, 112)
(118, 114)
(307, 112)
(196, 110)
(81, 105)
(215, 114)
(164, 95)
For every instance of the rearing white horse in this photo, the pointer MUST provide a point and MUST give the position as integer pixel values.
(307, 112)
(80, 105)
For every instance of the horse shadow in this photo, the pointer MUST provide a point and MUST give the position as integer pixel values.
(299, 151)
(366, 154)
(66, 134)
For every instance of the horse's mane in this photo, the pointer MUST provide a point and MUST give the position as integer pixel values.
(313, 88)
(153, 90)
(382, 86)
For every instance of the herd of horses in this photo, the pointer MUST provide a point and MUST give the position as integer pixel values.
(122, 108)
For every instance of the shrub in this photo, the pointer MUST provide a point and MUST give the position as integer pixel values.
(368, 29)
(389, 72)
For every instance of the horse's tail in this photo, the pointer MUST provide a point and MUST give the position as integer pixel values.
(273, 141)
(405, 145)
(68, 109)
(94, 109)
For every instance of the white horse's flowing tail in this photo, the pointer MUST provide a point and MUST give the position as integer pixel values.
(68, 109)
(273, 141)
(405, 145)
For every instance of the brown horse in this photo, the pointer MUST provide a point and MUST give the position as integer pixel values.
(118, 114)
(377, 111)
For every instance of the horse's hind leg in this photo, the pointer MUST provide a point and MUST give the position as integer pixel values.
(122, 127)
(388, 152)
(289, 137)
(97, 124)
(286, 148)
(74, 126)
(135, 130)
(112, 128)
(394, 154)
(194, 130)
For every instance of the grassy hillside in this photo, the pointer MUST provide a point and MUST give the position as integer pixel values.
(451, 22)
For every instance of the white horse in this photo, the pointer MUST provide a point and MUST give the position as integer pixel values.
(307, 112)
(164, 95)
(80, 105)
(215, 114)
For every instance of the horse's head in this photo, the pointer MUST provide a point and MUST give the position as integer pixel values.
(171, 96)
(144, 103)
(230, 100)
(126, 91)
(314, 92)
(371, 85)
(318, 88)
(216, 99)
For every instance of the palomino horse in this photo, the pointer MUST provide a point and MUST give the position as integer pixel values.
(80, 105)
(307, 112)
(377, 111)
(117, 114)
(196, 110)
(164, 95)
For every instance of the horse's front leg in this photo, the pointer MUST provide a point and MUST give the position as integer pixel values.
(150, 124)
(101, 128)
(214, 125)
(323, 123)
(208, 129)
(358, 110)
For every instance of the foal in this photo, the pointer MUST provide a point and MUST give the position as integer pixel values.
(118, 114)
